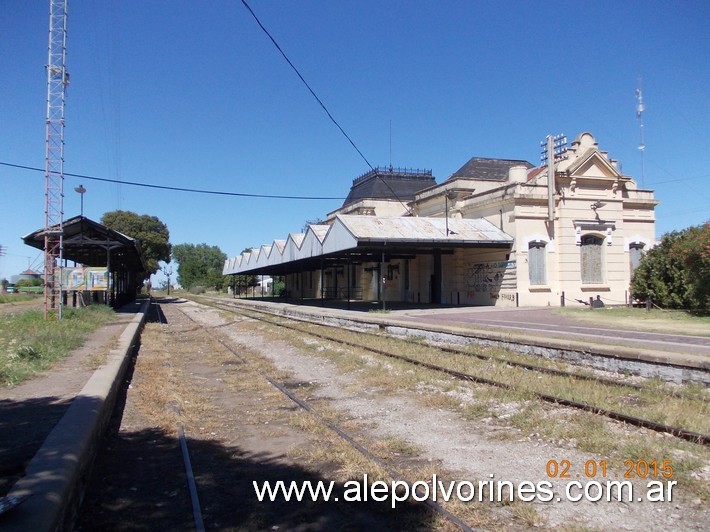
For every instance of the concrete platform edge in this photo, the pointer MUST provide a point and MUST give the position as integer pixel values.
(56, 476)
(621, 352)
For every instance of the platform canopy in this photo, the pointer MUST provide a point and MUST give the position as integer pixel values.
(93, 244)
(366, 238)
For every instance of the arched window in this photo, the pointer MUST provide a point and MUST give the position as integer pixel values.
(536, 263)
(635, 254)
(591, 259)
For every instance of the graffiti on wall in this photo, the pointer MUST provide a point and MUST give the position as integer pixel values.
(85, 279)
(490, 276)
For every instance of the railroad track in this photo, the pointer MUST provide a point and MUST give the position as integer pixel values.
(191, 483)
(307, 407)
(319, 330)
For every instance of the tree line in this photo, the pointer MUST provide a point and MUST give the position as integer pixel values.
(198, 265)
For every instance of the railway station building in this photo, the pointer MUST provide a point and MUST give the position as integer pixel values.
(496, 232)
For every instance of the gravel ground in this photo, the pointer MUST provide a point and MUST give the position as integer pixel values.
(467, 449)
(241, 429)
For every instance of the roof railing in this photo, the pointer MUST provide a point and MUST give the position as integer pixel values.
(398, 171)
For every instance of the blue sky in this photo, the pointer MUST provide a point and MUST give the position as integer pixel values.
(193, 94)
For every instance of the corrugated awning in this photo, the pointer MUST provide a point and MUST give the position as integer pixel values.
(365, 238)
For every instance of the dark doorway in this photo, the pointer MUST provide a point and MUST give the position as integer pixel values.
(435, 282)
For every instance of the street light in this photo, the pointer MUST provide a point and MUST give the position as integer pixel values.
(80, 189)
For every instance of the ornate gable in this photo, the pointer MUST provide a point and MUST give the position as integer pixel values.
(585, 160)
(593, 165)
(587, 167)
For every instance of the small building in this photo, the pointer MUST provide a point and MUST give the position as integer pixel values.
(496, 232)
(108, 266)
(28, 275)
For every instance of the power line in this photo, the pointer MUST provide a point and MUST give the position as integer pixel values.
(322, 104)
(177, 189)
(305, 83)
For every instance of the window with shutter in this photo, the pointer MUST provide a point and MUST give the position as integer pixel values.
(591, 259)
(536, 263)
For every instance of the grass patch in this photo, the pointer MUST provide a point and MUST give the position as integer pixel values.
(30, 344)
(17, 298)
(664, 321)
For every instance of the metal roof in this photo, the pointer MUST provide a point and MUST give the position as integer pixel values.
(88, 243)
(364, 237)
(415, 229)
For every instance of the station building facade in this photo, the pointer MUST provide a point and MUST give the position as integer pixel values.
(496, 232)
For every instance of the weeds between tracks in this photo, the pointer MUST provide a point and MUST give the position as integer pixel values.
(514, 413)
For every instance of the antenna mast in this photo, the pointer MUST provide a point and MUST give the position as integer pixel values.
(57, 81)
(640, 108)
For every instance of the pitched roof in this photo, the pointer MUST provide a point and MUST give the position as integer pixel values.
(361, 236)
(431, 230)
(89, 242)
(389, 183)
(488, 169)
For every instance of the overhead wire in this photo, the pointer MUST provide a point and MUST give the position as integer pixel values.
(320, 102)
(176, 189)
(237, 194)
(305, 83)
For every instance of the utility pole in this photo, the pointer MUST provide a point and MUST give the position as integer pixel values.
(57, 81)
(554, 149)
(2, 254)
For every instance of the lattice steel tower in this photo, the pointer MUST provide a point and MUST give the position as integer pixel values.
(57, 81)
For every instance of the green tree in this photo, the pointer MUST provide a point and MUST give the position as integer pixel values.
(693, 250)
(676, 273)
(152, 235)
(199, 265)
(29, 282)
(240, 283)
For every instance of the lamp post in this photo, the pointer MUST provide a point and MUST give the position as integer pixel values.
(80, 189)
(168, 273)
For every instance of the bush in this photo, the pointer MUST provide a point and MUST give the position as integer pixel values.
(197, 290)
(676, 273)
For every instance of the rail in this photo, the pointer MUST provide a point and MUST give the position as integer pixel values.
(688, 435)
(392, 171)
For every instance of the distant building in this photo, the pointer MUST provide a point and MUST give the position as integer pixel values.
(493, 233)
(28, 275)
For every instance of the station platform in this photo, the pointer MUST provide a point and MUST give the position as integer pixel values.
(544, 327)
(50, 426)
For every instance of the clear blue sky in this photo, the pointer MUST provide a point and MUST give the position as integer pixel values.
(193, 94)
